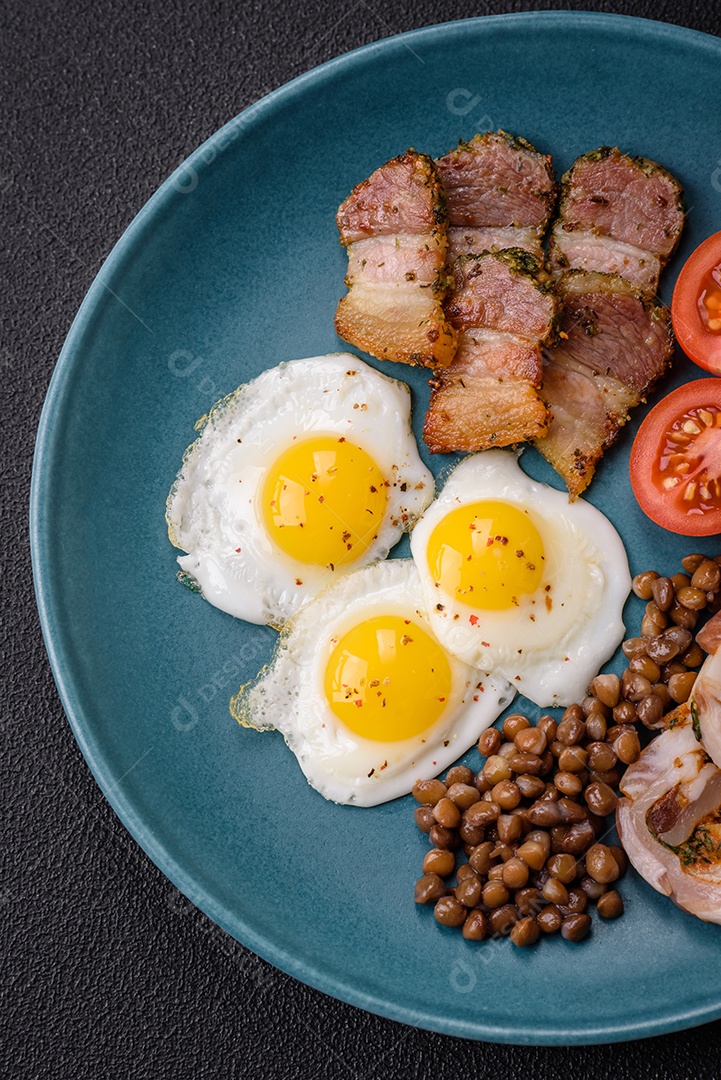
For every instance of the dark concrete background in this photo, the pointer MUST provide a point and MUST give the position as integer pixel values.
(107, 971)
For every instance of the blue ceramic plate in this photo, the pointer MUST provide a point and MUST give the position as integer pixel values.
(233, 266)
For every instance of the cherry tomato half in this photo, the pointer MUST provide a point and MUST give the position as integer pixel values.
(696, 306)
(676, 460)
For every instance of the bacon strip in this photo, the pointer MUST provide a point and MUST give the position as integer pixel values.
(618, 215)
(394, 227)
(488, 396)
(614, 344)
(500, 193)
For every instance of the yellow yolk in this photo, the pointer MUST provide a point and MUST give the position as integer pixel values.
(323, 501)
(387, 679)
(487, 555)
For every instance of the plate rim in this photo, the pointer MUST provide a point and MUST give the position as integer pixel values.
(51, 623)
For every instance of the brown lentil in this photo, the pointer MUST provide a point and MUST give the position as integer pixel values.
(680, 686)
(495, 894)
(531, 741)
(575, 927)
(447, 814)
(428, 792)
(706, 576)
(429, 888)
(554, 891)
(448, 839)
(489, 742)
(474, 928)
(549, 919)
(506, 794)
(601, 864)
(469, 891)
(525, 932)
(515, 874)
(562, 867)
(462, 794)
(577, 902)
(607, 688)
(513, 724)
(662, 591)
(423, 816)
(642, 584)
(439, 862)
(449, 911)
(509, 828)
(459, 774)
(568, 783)
(600, 798)
(627, 747)
(502, 919)
(529, 901)
(497, 769)
(610, 905)
(480, 858)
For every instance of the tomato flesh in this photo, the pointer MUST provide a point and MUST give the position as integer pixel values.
(676, 460)
(696, 305)
(709, 302)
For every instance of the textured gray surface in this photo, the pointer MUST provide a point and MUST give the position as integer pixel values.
(108, 972)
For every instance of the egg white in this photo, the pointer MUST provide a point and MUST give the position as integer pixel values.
(213, 510)
(289, 695)
(549, 649)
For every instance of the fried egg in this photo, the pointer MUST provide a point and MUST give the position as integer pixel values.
(363, 692)
(307, 472)
(519, 581)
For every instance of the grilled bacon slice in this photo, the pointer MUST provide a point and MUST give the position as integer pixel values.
(619, 215)
(500, 193)
(394, 228)
(503, 310)
(614, 344)
(669, 820)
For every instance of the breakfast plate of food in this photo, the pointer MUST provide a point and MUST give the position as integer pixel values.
(375, 524)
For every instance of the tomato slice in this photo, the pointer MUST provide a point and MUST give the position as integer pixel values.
(695, 312)
(676, 460)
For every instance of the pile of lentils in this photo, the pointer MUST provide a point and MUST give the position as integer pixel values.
(532, 821)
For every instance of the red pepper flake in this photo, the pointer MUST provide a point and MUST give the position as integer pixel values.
(298, 581)
(476, 697)
(443, 699)
(237, 551)
(358, 702)
(446, 742)
(384, 765)
(489, 542)
(518, 678)
(342, 438)
(486, 644)
(473, 619)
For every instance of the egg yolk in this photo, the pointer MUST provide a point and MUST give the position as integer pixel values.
(323, 501)
(387, 679)
(487, 555)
